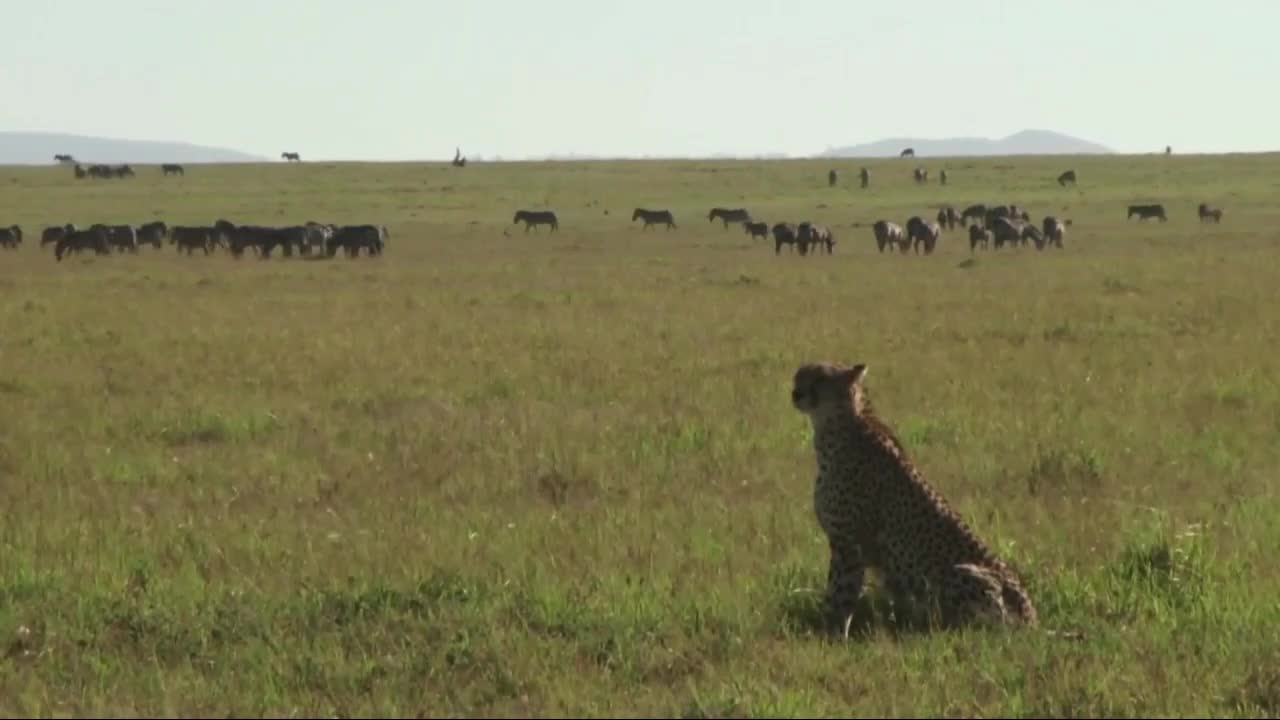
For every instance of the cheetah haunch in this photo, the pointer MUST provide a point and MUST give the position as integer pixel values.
(878, 512)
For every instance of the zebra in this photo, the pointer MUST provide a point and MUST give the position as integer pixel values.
(783, 234)
(533, 218)
(652, 217)
(921, 175)
(1067, 177)
(865, 176)
(171, 168)
(908, 152)
(889, 233)
(756, 229)
(1054, 230)
(942, 177)
(729, 215)
(923, 233)
(978, 235)
(291, 157)
(832, 178)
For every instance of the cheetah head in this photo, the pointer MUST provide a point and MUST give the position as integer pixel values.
(819, 388)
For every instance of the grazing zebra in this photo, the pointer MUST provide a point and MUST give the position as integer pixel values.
(757, 229)
(652, 217)
(978, 235)
(1207, 213)
(738, 215)
(172, 169)
(1054, 230)
(921, 175)
(291, 156)
(948, 218)
(1006, 230)
(1067, 177)
(1147, 211)
(908, 152)
(923, 233)
(832, 178)
(533, 218)
(889, 233)
(865, 176)
(815, 235)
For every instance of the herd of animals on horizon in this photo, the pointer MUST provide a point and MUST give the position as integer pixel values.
(988, 226)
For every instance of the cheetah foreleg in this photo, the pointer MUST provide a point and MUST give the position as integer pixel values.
(845, 576)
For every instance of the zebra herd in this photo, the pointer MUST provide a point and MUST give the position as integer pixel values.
(235, 239)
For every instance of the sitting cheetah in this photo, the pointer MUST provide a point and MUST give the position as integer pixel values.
(878, 511)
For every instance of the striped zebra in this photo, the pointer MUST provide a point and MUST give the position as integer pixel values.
(533, 218)
(738, 215)
(652, 217)
(888, 234)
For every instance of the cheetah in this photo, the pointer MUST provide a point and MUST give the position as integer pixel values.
(878, 511)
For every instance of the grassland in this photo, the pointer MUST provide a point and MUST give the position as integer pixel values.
(502, 474)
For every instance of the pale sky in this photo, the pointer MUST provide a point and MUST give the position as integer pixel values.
(411, 79)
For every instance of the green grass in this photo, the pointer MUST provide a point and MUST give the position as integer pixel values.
(559, 474)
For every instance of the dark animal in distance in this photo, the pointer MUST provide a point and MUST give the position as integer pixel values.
(756, 229)
(652, 217)
(1147, 211)
(172, 169)
(1210, 213)
(533, 218)
(727, 215)
(291, 157)
(908, 152)
(832, 178)
(1067, 177)
(865, 176)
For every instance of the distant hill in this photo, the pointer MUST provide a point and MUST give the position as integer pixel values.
(34, 148)
(1027, 142)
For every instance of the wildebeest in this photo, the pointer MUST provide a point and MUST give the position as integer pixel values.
(948, 218)
(1067, 177)
(1006, 230)
(942, 177)
(973, 212)
(458, 159)
(1147, 211)
(95, 238)
(1054, 230)
(1210, 213)
(888, 233)
(652, 217)
(756, 229)
(728, 215)
(153, 233)
(978, 235)
(921, 175)
(908, 152)
(120, 237)
(81, 173)
(920, 232)
(291, 156)
(783, 234)
(353, 237)
(172, 169)
(832, 178)
(64, 159)
(11, 237)
(865, 176)
(54, 233)
(808, 234)
(533, 218)
(190, 238)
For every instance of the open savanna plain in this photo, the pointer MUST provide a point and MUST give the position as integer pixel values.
(492, 473)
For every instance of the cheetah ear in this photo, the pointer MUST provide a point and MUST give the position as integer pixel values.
(856, 373)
